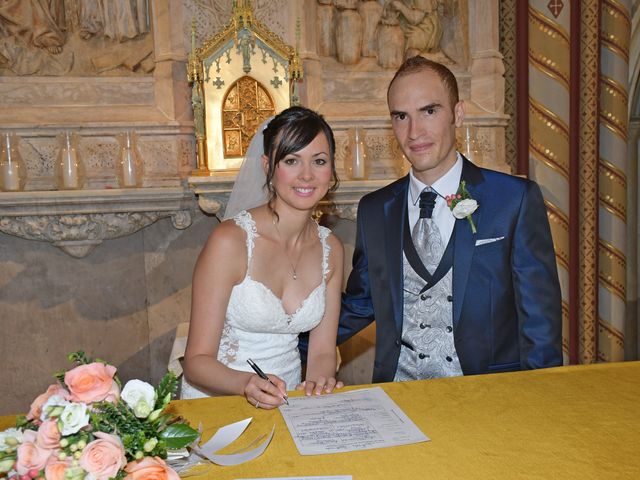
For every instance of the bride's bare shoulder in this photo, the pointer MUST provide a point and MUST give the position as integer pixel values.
(227, 238)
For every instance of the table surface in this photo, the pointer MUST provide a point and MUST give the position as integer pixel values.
(566, 422)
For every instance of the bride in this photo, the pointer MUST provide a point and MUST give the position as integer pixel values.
(270, 272)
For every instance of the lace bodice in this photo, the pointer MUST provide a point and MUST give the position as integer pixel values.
(257, 325)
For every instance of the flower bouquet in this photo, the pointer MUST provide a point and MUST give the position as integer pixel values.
(87, 427)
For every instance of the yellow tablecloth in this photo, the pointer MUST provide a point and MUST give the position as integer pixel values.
(578, 422)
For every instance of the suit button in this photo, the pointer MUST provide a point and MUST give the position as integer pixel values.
(397, 343)
(448, 358)
(424, 325)
(424, 296)
(421, 355)
(449, 328)
(449, 298)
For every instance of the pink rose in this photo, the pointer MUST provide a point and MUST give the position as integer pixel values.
(103, 457)
(48, 435)
(150, 468)
(36, 406)
(55, 469)
(31, 456)
(92, 383)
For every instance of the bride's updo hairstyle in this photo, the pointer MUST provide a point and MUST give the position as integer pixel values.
(290, 131)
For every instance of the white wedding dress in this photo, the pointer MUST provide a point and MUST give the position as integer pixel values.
(257, 326)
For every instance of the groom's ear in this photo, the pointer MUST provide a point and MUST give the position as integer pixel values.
(265, 164)
(458, 113)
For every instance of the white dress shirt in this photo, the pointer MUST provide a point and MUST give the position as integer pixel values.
(446, 185)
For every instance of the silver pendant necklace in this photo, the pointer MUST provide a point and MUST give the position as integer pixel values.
(293, 266)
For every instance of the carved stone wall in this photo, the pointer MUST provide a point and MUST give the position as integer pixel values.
(347, 77)
(120, 280)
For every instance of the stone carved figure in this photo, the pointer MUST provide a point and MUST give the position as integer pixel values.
(390, 30)
(118, 20)
(348, 32)
(420, 21)
(390, 39)
(32, 33)
(326, 28)
(46, 37)
(40, 23)
(370, 12)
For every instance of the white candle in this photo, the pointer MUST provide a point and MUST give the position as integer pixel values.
(69, 168)
(358, 171)
(128, 168)
(10, 177)
(10, 168)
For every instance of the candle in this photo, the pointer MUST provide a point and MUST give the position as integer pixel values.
(69, 164)
(10, 177)
(11, 165)
(128, 169)
(69, 169)
(358, 163)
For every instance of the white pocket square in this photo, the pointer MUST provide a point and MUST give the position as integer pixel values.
(484, 241)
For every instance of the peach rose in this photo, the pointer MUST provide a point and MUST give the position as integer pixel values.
(104, 457)
(150, 468)
(92, 383)
(30, 455)
(48, 435)
(36, 406)
(55, 469)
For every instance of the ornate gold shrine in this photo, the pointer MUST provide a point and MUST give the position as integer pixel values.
(240, 77)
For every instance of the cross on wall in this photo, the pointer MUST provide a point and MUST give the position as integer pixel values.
(555, 7)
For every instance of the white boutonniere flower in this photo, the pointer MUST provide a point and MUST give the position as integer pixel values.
(462, 205)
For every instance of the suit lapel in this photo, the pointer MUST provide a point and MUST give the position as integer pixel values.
(394, 212)
(465, 239)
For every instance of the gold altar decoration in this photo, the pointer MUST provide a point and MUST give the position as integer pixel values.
(240, 77)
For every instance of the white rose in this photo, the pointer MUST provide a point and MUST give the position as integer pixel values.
(53, 407)
(140, 396)
(73, 418)
(10, 438)
(464, 208)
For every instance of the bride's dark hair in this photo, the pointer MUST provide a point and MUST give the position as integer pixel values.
(290, 131)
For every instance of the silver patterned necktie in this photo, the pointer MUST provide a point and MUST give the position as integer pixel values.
(426, 234)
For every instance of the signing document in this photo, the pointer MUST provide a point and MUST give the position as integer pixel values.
(344, 422)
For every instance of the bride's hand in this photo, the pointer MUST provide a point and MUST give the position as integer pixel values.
(320, 386)
(262, 394)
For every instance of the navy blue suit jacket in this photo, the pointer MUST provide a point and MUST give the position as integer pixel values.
(506, 294)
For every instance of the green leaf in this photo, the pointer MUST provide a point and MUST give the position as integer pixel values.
(178, 435)
(78, 357)
(166, 389)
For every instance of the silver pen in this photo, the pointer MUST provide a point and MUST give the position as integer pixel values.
(263, 375)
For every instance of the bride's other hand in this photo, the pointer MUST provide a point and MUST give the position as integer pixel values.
(320, 386)
(262, 394)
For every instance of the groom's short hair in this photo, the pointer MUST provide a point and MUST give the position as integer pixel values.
(417, 64)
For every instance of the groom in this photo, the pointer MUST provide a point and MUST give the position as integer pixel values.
(450, 296)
